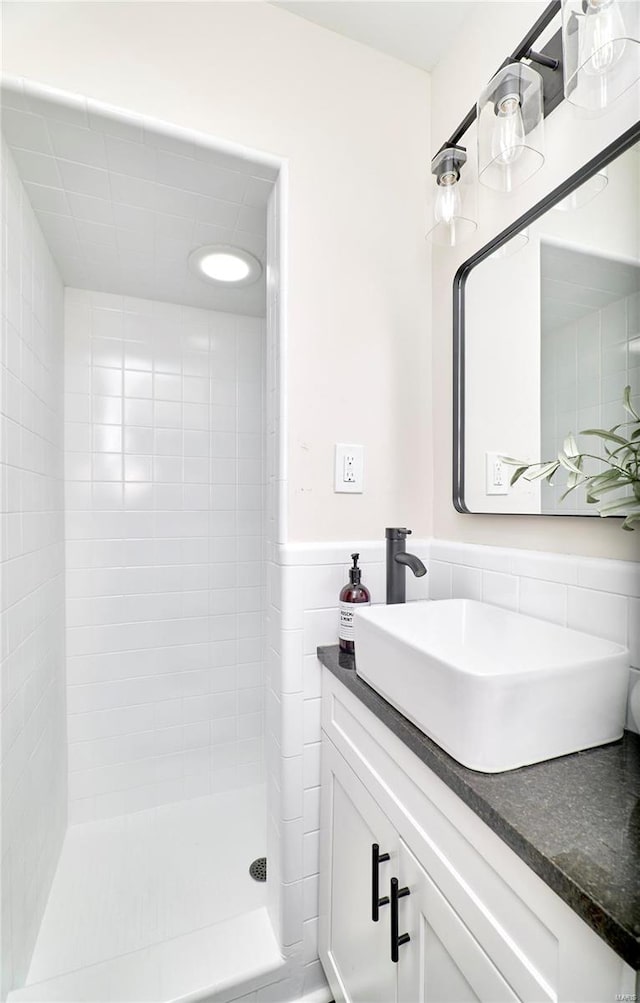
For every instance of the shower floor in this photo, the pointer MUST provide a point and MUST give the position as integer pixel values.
(158, 905)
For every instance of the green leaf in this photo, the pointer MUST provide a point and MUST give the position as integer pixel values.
(626, 505)
(544, 470)
(627, 405)
(602, 433)
(517, 475)
(619, 467)
(598, 492)
(570, 446)
(568, 463)
(608, 477)
(571, 488)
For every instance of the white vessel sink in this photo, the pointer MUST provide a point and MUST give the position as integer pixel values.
(495, 689)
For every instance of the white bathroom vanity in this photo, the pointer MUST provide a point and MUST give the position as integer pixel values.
(474, 920)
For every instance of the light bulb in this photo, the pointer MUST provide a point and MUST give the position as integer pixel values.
(224, 267)
(507, 141)
(448, 203)
(602, 41)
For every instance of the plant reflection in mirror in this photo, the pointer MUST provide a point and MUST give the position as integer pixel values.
(621, 462)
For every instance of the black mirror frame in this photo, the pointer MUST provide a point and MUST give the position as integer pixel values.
(609, 153)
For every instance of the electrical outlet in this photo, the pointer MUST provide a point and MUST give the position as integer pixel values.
(349, 469)
(497, 475)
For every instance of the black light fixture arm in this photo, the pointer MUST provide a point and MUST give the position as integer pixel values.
(542, 60)
(522, 51)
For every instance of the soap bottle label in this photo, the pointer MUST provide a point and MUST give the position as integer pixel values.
(346, 619)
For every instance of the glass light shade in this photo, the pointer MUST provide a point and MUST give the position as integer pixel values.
(510, 128)
(585, 192)
(452, 233)
(511, 247)
(600, 49)
(453, 220)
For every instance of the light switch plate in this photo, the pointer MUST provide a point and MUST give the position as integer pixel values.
(349, 469)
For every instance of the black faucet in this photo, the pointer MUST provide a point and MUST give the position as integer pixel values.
(397, 560)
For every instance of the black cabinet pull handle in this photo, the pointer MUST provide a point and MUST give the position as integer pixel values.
(397, 941)
(376, 901)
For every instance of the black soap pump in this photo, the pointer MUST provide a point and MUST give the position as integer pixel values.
(352, 595)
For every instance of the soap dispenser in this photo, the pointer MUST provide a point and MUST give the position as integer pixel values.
(353, 594)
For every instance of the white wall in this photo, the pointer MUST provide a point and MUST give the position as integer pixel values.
(502, 374)
(354, 127)
(571, 140)
(33, 769)
(165, 570)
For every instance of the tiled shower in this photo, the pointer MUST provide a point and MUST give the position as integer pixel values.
(136, 516)
(34, 753)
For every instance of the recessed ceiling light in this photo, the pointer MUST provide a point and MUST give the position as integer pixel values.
(230, 266)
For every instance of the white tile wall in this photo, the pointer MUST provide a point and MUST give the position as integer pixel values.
(32, 690)
(599, 596)
(274, 528)
(305, 582)
(165, 569)
(585, 368)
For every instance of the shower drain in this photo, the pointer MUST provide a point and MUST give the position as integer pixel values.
(258, 869)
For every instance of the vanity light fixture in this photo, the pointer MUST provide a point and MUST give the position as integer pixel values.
(510, 127)
(452, 220)
(225, 265)
(511, 150)
(591, 60)
(601, 50)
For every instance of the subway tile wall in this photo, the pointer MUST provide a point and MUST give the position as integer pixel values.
(594, 595)
(305, 582)
(32, 682)
(585, 367)
(165, 565)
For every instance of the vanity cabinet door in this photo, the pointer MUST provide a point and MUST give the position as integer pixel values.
(442, 962)
(354, 950)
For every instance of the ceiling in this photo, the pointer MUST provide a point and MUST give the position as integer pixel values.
(122, 205)
(574, 284)
(415, 32)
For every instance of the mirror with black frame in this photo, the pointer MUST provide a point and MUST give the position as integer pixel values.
(547, 336)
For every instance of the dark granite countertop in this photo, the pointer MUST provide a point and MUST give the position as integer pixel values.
(574, 820)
